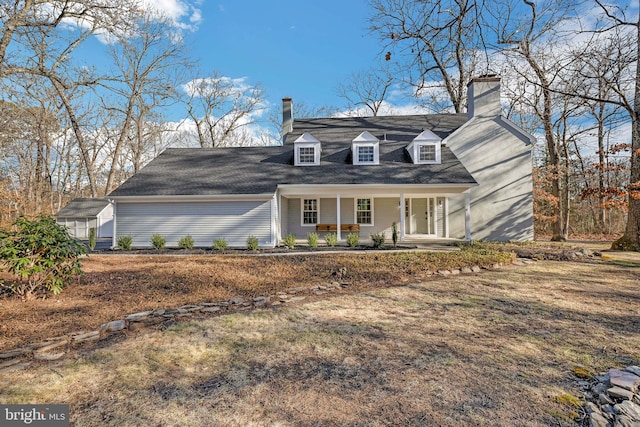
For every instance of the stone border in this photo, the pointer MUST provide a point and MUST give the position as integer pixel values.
(56, 347)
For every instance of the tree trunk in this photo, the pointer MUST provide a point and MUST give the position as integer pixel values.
(631, 238)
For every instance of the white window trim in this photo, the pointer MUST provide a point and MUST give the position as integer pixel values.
(317, 199)
(316, 153)
(376, 153)
(355, 210)
(438, 159)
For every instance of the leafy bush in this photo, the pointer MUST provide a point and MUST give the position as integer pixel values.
(312, 239)
(219, 244)
(353, 240)
(92, 238)
(158, 241)
(394, 233)
(125, 242)
(252, 243)
(186, 242)
(289, 241)
(41, 254)
(331, 239)
(377, 240)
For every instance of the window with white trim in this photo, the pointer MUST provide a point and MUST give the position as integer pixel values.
(306, 155)
(364, 211)
(366, 154)
(427, 152)
(309, 211)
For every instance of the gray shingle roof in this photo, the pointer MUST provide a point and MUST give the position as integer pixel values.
(258, 170)
(80, 208)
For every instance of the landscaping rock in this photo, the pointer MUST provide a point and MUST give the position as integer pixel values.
(236, 300)
(476, 269)
(114, 326)
(210, 309)
(16, 366)
(611, 401)
(466, 270)
(137, 317)
(624, 379)
(10, 362)
(14, 353)
(51, 346)
(633, 370)
(87, 336)
(191, 308)
(48, 356)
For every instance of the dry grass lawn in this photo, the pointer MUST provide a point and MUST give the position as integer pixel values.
(492, 349)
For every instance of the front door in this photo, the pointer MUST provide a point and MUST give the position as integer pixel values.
(423, 216)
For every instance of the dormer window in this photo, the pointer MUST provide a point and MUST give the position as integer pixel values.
(306, 150)
(365, 149)
(426, 148)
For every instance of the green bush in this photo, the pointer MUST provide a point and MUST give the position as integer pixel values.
(186, 242)
(377, 240)
(41, 254)
(92, 238)
(353, 240)
(312, 239)
(158, 241)
(394, 233)
(219, 244)
(289, 241)
(331, 239)
(252, 243)
(125, 242)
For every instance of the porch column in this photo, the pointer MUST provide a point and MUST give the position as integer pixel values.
(446, 217)
(339, 234)
(114, 239)
(467, 216)
(402, 202)
(279, 226)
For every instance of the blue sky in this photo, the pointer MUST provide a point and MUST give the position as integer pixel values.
(293, 48)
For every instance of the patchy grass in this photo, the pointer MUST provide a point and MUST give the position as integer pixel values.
(115, 285)
(496, 349)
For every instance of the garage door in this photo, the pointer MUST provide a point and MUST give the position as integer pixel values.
(204, 221)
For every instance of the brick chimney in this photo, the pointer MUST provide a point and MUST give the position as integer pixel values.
(483, 96)
(287, 115)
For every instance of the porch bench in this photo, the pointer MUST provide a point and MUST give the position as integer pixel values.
(334, 227)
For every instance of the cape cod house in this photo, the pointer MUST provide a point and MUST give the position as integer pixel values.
(464, 176)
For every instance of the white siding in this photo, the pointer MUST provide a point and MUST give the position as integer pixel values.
(204, 221)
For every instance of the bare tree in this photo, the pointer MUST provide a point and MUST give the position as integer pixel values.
(439, 39)
(366, 89)
(221, 107)
(149, 66)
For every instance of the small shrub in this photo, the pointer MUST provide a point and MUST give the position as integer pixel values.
(312, 239)
(41, 254)
(92, 238)
(353, 240)
(252, 243)
(125, 242)
(158, 241)
(186, 242)
(377, 240)
(289, 241)
(219, 244)
(331, 239)
(394, 233)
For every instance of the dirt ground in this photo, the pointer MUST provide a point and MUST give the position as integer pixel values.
(492, 349)
(114, 286)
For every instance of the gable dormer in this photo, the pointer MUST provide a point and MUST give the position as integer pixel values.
(365, 149)
(425, 148)
(306, 150)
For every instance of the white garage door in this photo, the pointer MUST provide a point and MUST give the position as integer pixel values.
(204, 221)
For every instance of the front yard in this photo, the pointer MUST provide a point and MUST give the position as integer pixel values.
(497, 348)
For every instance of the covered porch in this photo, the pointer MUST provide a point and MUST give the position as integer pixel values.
(421, 213)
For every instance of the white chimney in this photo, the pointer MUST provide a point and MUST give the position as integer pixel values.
(287, 115)
(483, 96)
